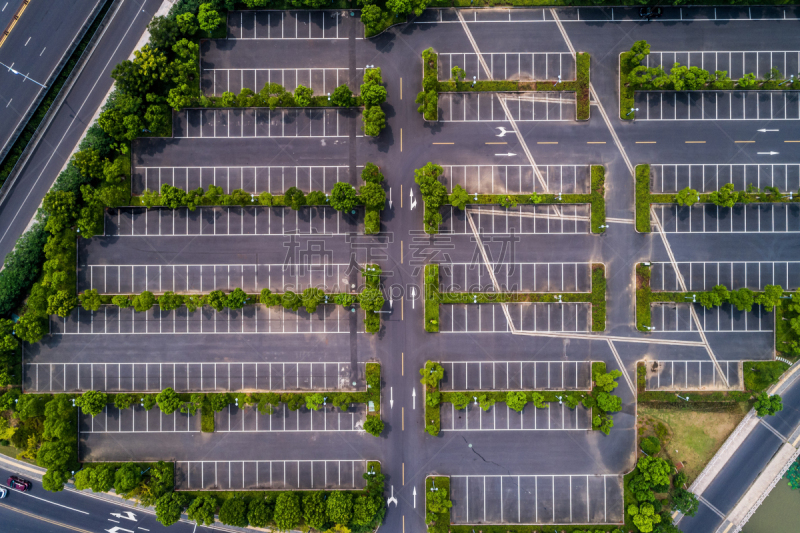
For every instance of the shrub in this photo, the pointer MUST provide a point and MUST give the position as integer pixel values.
(314, 509)
(127, 478)
(168, 401)
(516, 400)
(92, 402)
(651, 445)
(371, 173)
(259, 511)
(287, 511)
(339, 507)
(233, 512)
(169, 508)
(144, 301)
(202, 510)
(373, 425)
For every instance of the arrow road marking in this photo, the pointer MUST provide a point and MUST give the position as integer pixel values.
(414, 397)
(392, 499)
(127, 515)
(503, 131)
(117, 529)
(767, 153)
(391, 397)
(415, 497)
(390, 197)
(509, 154)
(413, 296)
(764, 130)
(413, 202)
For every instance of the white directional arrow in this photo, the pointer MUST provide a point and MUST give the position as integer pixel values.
(117, 529)
(390, 304)
(509, 154)
(413, 296)
(502, 131)
(391, 397)
(390, 197)
(392, 499)
(764, 130)
(414, 397)
(127, 515)
(413, 202)
(767, 153)
(415, 497)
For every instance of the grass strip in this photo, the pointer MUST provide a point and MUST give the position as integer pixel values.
(18, 148)
(643, 292)
(598, 297)
(643, 198)
(432, 298)
(626, 92)
(598, 198)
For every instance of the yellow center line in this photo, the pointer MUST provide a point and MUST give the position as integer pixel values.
(401, 196)
(401, 88)
(595, 142)
(404, 473)
(743, 142)
(791, 141)
(402, 364)
(547, 142)
(497, 143)
(645, 142)
(401, 252)
(401, 139)
(14, 22)
(403, 418)
(443, 143)
(695, 142)
(37, 517)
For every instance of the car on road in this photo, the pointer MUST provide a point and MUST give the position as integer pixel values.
(18, 483)
(3, 493)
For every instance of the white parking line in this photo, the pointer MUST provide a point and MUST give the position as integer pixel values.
(516, 375)
(519, 179)
(711, 177)
(188, 377)
(675, 318)
(331, 278)
(523, 65)
(734, 275)
(516, 277)
(742, 218)
(661, 375)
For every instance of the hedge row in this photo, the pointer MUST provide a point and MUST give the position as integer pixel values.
(432, 298)
(598, 297)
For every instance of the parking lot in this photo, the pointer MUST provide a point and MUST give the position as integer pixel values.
(275, 180)
(328, 418)
(536, 499)
(191, 377)
(704, 275)
(136, 419)
(216, 81)
(710, 178)
(516, 375)
(516, 277)
(490, 318)
(717, 105)
(231, 220)
(736, 64)
(673, 317)
(111, 320)
(127, 279)
(693, 375)
(510, 65)
(500, 417)
(270, 475)
(742, 218)
(486, 107)
(523, 219)
(517, 179)
(317, 24)
(263, 123)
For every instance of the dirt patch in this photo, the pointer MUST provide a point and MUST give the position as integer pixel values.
(692, 437)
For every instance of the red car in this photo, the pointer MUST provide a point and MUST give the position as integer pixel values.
(18, 483)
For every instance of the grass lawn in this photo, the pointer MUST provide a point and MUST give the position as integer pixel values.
(759, 375)
(12, 452)
(691, 434)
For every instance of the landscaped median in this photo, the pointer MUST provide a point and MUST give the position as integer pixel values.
(743, 299)
(434, 298)
(599, 399)
(428, 99)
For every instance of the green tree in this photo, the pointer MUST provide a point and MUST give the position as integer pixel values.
(345, 300)
(208, 18)
(371, 173)
(432, 373)
(344, 197)
(292, 301)
(687, 197)
(651, 445)
(168, 401)
(516, 400)
(89, 163)
(30, 328)
(144, 301)
(339, 507)
(373, 94)
(365, 508)
(374, 120)
(457, 74)
(314, 401)
(217, 300)
(436, 503)
(219, 401)
(61, 303)
(202, 510)
(62, 208)
(342, 96)
(311, 298)
(748, 81)
(685, 502)
(90, 300)
(743, 299)
(314, 509)
(170, 506)
(287, 511)
(639, 51)
(372, 195)
(236, 299)
(302, 95)
(609, 402)
(92, 402)
(373, 425)
(233, 512)
(725, 197)
(122, 301)
(54, 479)
(459, 197)
(768, 405)
(655, 470)
(187, 23)
(170, 301)
(399, 7)
(259, 512)
(123, 401)
(295, 198)
(316, 198)
(371, 299)
(127, 478)
(644, 516)
(713, 298)
(606, 382)
(770, 297)
(371, 16)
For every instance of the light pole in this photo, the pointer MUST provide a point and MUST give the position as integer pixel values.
(474, 79)
(632, 110)
(23, 75)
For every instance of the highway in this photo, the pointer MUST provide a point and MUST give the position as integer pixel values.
(44, 35)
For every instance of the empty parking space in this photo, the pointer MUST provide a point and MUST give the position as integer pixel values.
(517, 179)
(270, 475)
(110, 319)
(486, 107)
(126, 279)
(710, 178)
(736, 64)
(190, 377)
(673, 317)
(516, 375)
(327, 418)
(136, 419)
(511, 65)
(321, 24)
(516, 277)
(216, 81)
(275, 180)
(231, 220)
(536, 499)
(704, 275)
(741, 218)
(500, 417)
(264, 123)
(523, 219)
(490, 318)
(717, 105)
(693, 375)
